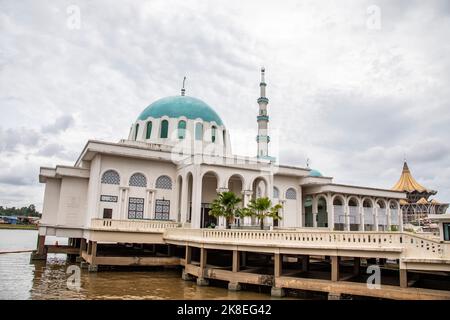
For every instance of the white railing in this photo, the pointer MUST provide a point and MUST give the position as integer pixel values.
(406, 244)
(132, 225)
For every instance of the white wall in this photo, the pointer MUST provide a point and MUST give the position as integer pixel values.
(51, 201)
(292, 210)
(72, 201)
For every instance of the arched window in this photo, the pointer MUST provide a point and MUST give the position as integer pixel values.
(198, 131)
(148, 133)
(136, 131)
(291, 194)
(138, 180)
(163, 182)
(213, 133)
(181, 129)
(276, 193)
(110, 177)
(164, 129)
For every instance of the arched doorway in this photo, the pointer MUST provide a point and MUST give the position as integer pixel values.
(369, 220)
(354, 217)
(308, 209)
(339, 215)
(322, 213)
(382, 215)
(210, 183)
(259, 188)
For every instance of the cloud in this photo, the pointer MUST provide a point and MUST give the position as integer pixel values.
(355, 101)
(61, 124)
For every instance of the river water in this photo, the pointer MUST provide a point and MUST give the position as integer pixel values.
(22, 280)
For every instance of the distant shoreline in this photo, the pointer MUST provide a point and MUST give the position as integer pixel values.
(18, 226)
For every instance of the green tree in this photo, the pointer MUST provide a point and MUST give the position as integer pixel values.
(225, 205)
(262, 208)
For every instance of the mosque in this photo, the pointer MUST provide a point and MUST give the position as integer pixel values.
(145, 201)
(178, 156)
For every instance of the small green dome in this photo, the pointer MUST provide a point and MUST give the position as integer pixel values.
(177, 106)
(315, 173)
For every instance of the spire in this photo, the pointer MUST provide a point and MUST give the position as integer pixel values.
(183, 90)
(262, 84)
(407, 182)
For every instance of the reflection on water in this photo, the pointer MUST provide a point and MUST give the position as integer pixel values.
(20, 279)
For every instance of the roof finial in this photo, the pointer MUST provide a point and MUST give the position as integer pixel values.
(183, 90)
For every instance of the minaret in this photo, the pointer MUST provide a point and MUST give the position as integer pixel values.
(263, 120)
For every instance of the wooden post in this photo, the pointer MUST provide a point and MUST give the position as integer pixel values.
(236, 262)
(356, 266)
(403, 278)
(334, 268)
(41, 245)
(305, 263)
(243, 259)
(188, 255)
(201, 281)
(278, 264)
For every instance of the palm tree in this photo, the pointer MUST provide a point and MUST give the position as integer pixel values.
(262, 208)
(225, 205)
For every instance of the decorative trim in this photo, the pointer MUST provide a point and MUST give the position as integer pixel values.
(266, 118)
(263, 100)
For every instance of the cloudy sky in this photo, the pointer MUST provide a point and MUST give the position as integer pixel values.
(355, 86)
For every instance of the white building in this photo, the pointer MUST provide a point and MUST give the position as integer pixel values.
(176, 159)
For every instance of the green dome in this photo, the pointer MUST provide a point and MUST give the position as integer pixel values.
(315, 173)
(177, 106)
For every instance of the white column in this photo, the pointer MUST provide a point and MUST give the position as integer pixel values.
(196, 201)
(400, 218)
(376, 217)
(346, 216)
(388, 218)
(330, 212)
(246, 194)
(361, 215)
(184, 200)
(314, 211)
(146, 205)
(152, 203)
(222, 221)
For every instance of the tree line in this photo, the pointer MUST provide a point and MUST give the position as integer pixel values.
(29, 211)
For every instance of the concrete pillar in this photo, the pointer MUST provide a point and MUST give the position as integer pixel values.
(41, 251)
(334, 296)
(277, 292)
(234, 286)
(201, 281)
(278, 264)
(236, 261)
(334, 268)
(403, 278)
(356, 266)
(93, 267)
(186, 276)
